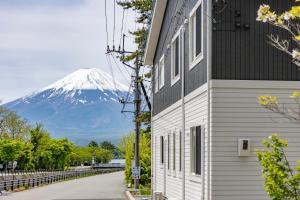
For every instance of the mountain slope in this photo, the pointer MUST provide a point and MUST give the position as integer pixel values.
(82, 106)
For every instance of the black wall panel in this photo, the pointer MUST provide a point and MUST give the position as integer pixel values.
(243, 53)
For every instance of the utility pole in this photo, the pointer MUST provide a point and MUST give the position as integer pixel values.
(137, 104)
(137, 109)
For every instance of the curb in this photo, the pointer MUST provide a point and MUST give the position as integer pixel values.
(129, 195)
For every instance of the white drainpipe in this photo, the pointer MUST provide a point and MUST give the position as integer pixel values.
(209, 67)
(183, 121)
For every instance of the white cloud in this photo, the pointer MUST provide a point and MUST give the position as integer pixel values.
(40, 44)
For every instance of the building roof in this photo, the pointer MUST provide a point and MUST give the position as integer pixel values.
(156, 23)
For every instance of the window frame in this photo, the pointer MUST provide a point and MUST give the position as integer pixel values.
(156, 78)
(193, 150)
(180, 36)
(174, 151)
(180, 151)
(161, 76)
(193, 58)
(162, 150)
(168, 153)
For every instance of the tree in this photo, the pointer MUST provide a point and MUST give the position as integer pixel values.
(281, 181)
(289, 21)
(127, 146)
(103, 155)
(12, 125)
(107, 145)
(93, 144)
(10, 150)
(143, 8)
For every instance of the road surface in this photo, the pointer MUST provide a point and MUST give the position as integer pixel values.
(99, 187)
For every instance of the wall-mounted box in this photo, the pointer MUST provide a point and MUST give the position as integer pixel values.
(244, 146)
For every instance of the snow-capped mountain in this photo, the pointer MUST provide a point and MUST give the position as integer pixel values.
(81, 106)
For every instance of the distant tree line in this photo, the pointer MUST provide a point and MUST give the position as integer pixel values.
(32, 148)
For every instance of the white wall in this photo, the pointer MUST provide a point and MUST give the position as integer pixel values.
(236, 114)
(167, 122)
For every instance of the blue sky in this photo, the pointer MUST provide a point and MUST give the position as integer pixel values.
(41, 41)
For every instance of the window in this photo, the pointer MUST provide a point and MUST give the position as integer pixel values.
(177, 55)
(196, 35)
(180, 151)
(168, 151)
(196, 149)
(174, 151)
(162, 151)
(156, 79)
(161, 72)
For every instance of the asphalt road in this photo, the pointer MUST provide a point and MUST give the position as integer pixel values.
(100, 187)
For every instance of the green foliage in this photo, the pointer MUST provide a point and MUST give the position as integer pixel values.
(143, 8)
(103, 155)
(33, 148)
(93, 144)
(281, 181)
(127, 146)
(12, 125)
(107, 145)
(85, 155)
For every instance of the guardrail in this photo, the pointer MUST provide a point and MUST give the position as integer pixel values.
(108, 165)
(29, 180)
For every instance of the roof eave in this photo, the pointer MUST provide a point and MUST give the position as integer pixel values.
(154, 32)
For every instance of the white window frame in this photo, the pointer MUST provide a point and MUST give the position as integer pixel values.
(195, 59)
(180, 151)
(174, 151)
(180, 35)
(169, 152)
(156, 81)
(161, 72)
(162, 159)
(192, 151)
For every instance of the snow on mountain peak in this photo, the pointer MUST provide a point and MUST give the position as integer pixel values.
(87, 79)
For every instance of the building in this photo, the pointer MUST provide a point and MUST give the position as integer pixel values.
(210, 62)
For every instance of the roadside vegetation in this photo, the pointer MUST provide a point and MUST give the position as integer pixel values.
(143, 9)
(282, 180)
(32, 148)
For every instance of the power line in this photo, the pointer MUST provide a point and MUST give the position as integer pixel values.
(119, 67)
(121, 35)
(114, 30)
(106, 23)
(112, 74)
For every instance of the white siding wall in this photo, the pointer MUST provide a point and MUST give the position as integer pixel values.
(167, 122)
(236, 114)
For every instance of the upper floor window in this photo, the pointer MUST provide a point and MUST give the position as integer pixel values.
(156, 78)
(197, 137)
(196, 34)
(161, 72)
(177, 55)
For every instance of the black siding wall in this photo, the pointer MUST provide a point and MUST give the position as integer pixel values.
(244, 54)
(176, 12)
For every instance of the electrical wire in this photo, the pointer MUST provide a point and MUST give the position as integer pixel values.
(114, 30)
(120, 44)
(112, 74)
(105, 3)
(119, 68)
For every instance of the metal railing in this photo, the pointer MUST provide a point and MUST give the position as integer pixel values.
(25, 180)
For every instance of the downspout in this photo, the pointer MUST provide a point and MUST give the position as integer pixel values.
(209, 67)
(183, 118)
(152, 145)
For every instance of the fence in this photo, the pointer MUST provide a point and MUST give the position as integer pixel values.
(25, 180)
